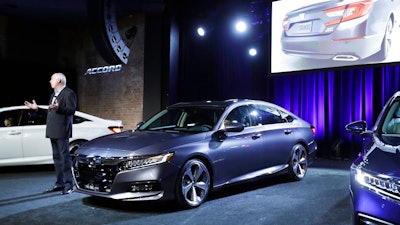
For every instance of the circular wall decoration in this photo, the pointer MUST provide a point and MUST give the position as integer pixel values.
(103, 24)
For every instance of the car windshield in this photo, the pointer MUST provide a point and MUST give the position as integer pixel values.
(192, 119)
(391, 123)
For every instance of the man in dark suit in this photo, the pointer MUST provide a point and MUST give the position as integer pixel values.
(62, 106)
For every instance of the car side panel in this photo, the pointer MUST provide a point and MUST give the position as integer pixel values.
(35, 143)
(240, 154)
(278, 142)
(80, 131)
(11, 146)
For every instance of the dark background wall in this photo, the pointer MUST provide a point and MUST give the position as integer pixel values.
(30, 54)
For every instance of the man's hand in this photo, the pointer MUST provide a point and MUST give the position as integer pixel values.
(54, 105)
(32, 105)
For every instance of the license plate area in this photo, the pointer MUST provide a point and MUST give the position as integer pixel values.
(303, 28)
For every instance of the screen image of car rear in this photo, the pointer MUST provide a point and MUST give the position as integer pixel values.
(308, 35)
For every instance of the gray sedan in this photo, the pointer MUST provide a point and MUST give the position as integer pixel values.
(191, 148)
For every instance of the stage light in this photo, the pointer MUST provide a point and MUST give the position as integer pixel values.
(252, 51)
(241, 26)
(201, 31)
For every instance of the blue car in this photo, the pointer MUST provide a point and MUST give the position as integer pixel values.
(375, 173)
(191, 148)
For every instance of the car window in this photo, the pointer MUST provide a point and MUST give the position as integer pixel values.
(391, 124)
(255, 115)
(78, 119)
(239, 114)
(190, 119)
(10, 118)
(199, 117)
(286, 117)
(166, 119)
(263, 115)
(31, 117)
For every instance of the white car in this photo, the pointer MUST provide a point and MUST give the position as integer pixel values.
(23, 141)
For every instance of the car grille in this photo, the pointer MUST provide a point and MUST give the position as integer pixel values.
(96, 173)
(370, 220)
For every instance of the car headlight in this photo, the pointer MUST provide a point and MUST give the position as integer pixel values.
(134, 162)
(381, 184)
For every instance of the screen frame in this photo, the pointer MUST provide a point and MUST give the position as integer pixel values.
(282, 64)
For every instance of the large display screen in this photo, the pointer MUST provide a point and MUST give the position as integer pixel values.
(320, 34)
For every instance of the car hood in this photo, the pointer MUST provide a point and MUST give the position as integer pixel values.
(132, 143)
(383, 159)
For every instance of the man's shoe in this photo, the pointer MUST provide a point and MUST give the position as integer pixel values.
(67, 191)
(54, 189)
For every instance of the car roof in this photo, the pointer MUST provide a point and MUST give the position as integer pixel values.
(224, 103)
(77, 113)
(230, 103)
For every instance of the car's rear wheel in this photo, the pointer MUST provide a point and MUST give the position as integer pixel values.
(193, 185)
(298, 164)
(386, 42)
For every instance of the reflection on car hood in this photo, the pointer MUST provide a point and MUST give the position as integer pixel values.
(137, 143)
(382, 162)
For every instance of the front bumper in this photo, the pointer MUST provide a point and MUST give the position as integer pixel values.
(106, 179)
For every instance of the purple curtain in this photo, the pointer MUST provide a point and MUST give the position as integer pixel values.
(330, 100)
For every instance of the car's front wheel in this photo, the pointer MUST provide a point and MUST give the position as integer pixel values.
(298, 163)
(193, 184)
(73, 146)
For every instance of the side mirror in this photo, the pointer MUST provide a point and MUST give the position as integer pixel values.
(234, 127)
(357, 127)
(138, 125)
(220, 135)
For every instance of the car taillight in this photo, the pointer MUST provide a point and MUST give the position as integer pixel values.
(116, 129)
(285, 23)
(349, 12)
(313, 129)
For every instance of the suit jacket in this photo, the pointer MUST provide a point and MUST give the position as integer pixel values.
(59, 122)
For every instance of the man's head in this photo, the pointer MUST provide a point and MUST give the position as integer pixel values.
(58, 80)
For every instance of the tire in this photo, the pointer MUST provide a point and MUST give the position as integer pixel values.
(73, 146)
(386, 42)
(193, 184)
(298, 163)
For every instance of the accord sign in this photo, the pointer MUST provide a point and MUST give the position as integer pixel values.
(103, 69)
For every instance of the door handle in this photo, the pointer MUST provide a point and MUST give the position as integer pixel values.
(254, 137)
(14, 132)
(288, 131)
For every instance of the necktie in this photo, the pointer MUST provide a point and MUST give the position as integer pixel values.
(54, 100)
